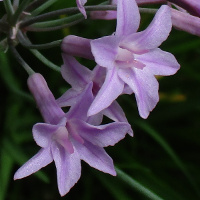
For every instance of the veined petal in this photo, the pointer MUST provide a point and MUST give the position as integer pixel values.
(96, 157)
(38, 161)
(68, 168)
(116, 113)
(77, 46)
(95, 119)
(192, 6)
(42, 133)
(110, 90)
(44, 98)
(159, 62)
(186, 22)
(79, 110)
(103, 135)
(105, 50)
(69, 98)
(153, 36)
(74, 73)
(80, 4)
(128, 17)
(145, 87)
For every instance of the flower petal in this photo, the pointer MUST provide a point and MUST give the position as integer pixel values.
(42, 133)
(44, 98)
(79, 110)
(103, 135)
(80, 4)
(109, 91)
(96, 157)
(95, 119)
(74, 73)
(128, 17)
(38, 161)
(68, 168)
(116, 113)
(98, 78)
(159, 62)
(77, 46)
(153, 36)
(105, 50)
(69, 98)
(145, 87)
(186, 22)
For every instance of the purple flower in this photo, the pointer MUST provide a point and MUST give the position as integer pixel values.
(69, 138)
(78, 76)
(133, 59)
(80, 4)
(186, 22)
(192, 6)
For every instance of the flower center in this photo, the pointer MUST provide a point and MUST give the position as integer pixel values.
(125, 59)
(62, 137)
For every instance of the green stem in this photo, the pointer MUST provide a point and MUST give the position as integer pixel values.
(148, 10)
(44, 60)
(15, 4)
(43, 7)
(62, 12)
(18, 12)
(9, 8)
(136, 185)
(19, 58)
(58, 22)
(55, 27)
(34, 5)
(26, 43)
(9, 78)
(156, 136)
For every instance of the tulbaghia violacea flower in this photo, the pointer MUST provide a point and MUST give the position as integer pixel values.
(79, 77)
(80, 4)
(185, 22)
(69, 138)
(192, 6)
(133, 58)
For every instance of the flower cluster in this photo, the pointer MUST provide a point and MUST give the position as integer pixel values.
(126, 63)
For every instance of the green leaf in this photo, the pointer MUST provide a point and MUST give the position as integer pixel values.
(156, 136)
(115, 189)
(6, 166)
(136, 185)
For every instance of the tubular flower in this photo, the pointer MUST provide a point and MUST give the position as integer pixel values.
(192, 6)
(185, 22)
(79, 77)
(69, 138)
(133, 58)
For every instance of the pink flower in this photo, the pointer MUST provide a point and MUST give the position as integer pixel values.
(133, 58)
(69, 138)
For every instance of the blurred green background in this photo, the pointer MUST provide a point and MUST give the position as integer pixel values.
(162, 158)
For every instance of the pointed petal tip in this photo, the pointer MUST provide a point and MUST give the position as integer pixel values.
(114, 173)
(18, 175)
(130, 132)
(15, 177)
